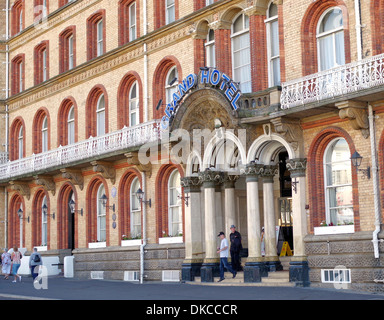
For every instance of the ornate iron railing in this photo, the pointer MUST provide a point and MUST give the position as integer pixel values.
(81, 151)
(349, 78)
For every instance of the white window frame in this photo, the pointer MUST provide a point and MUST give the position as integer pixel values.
(44, 223)
(244, 31)
(177, 205)
(44, 135)
(210, 49)
(328, 33)
(168, 10)
(100, 116)
(45, 64)
(171, 89)
(132, 21)
(100, 37)
(21, 76)
(101, 215)
(71, 126)
(20, 140)
(268, 22)
(327, 187)
(134, 101)
(135, 185)
(71, 61)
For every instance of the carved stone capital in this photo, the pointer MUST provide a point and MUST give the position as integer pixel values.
(229, 180)
(75, 176)
(211, 179)
(106, 170)
(22, 188)
(297, 167)
(252, 171)
(269, 173)
(290, 129)
(191, 184)
(133, 159)
(46, 182)
(220, 25)
(356, 113)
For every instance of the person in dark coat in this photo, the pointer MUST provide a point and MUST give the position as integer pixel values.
(236, 247)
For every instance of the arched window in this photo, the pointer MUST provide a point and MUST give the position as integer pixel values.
(20, 143)
(330, 39)
(171, 84)
(101, 216)
(210, 49)
(175, 216)
(44, 135)
(100, 116)
(71, 125)
(135, 214)
(241, 54)
(134, 110)
(44, 222)
(272, 25)
(338, 183)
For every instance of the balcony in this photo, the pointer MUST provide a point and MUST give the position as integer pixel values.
(82, 152)
(361, 80)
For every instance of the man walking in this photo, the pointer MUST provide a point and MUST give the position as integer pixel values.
(223, 251)
(236, 247)
(35, 260)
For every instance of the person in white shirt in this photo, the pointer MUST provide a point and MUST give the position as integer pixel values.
(223, 251)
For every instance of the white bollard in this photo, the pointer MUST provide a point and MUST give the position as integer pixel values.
(69, 267)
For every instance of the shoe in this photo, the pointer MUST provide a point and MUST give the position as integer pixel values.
(222, 279)
(14, 281)
(234, 275)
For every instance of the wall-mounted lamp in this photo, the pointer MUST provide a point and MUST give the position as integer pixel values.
(72, 206)
(185, 199)
(20, 214)
(45, 212)
(356, 162)
(104, 201)
(140, 195)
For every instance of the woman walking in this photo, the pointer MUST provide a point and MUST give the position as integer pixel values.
(6, 259)
(16, 262)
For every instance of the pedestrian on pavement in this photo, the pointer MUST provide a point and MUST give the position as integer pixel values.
(35, 260)
(236, 247)
(223, 251)
(6, 261)
(16, 263)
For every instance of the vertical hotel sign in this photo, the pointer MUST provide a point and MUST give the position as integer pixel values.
(208, 77)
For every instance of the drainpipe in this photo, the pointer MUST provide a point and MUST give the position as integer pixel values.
(144, 243)
(376, 191)
(6, 117)
(359, 40)
(145, 22)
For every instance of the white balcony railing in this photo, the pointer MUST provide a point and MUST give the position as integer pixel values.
(333, 83)
(81, 151)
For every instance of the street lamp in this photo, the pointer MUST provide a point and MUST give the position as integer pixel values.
(20, 215)
(104, 201)
(45, 212)
(356, 162)
(72, 206)
(140, 196)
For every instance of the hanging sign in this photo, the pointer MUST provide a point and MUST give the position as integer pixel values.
(207, 76)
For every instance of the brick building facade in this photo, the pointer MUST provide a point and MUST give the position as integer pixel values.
(285, 89)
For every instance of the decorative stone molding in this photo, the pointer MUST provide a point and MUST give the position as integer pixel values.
(356, 113)
(133, 159)
(46, 182)
(220, 25)
(106, 169)
(290, 130)
(75, 176)
(22, 188)
(252, 171)
(269, 172)
(191, 184)
(229, 180)
(211, 179)
(297, 167)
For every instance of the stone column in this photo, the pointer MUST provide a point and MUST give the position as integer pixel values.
(193, 229)
(230, 201)
(210, 265)
(299, 270)
(271, 258)
(255, 267)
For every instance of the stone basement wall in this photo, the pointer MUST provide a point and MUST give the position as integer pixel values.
(354, 251)
(114, 261)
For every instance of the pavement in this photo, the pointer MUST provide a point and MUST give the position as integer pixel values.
(60, 288)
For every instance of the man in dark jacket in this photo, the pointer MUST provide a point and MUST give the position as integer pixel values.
(236, 247)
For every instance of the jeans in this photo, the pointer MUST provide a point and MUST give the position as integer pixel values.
(224, 264)
(34, 273)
